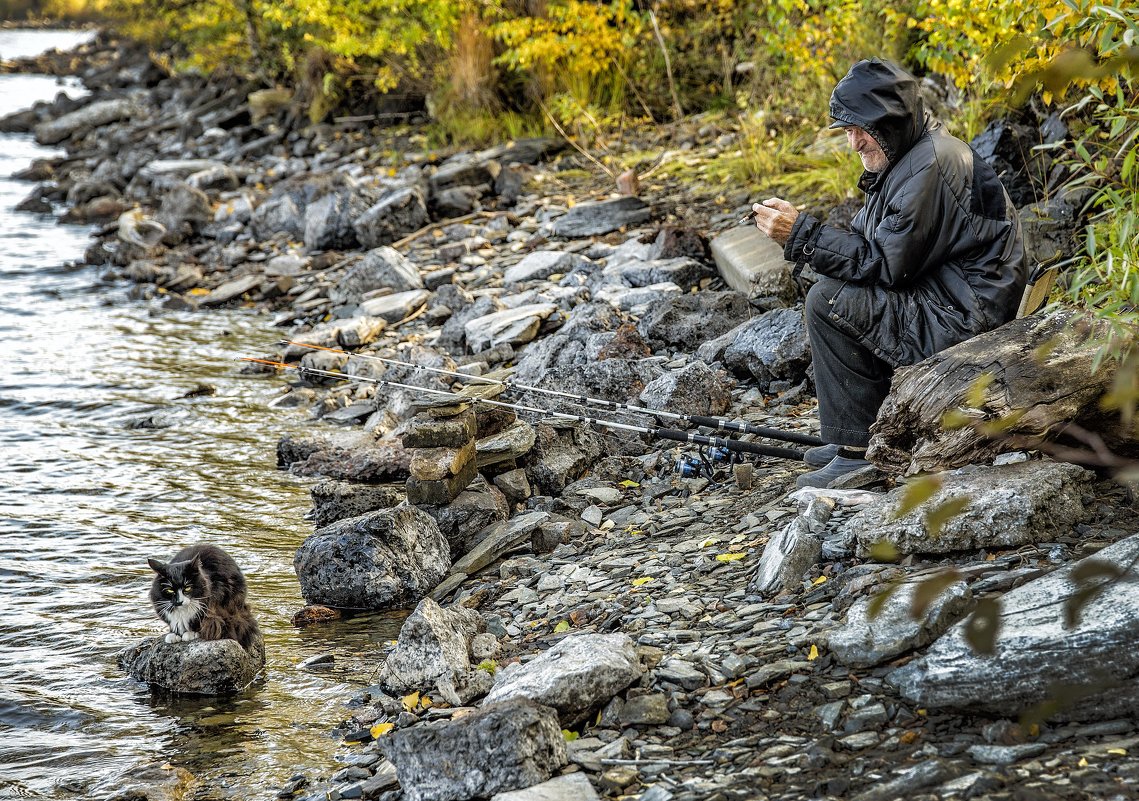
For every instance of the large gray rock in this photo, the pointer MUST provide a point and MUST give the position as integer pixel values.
(1090, 668)
(682, 272)
(434, 646)
(381, 268)
(696, 389)
(183, 212)
(395, 307)
(329, 220)
(348, 456)
(507, 445)
(394, 216)
(540, 264)
(349, 333)
(512, 326)
(753, 264)
(198, 667)
(560, 455)
(771, 347)
(630, 298)
(507, 746)
(464, 519)
(338, 500)
(1007, 507)
(793, 551)
(578, 674)
(593, 219)
(283, 213)
(864, 642)
(687, 321)
(387, 559)
(94, 115)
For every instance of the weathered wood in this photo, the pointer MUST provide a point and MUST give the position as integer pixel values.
(1041, 369)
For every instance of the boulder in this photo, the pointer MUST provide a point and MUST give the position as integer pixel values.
(183, 212)
(93, 115)
(793, 551)
(678, 243)
(329, 220)
(570, 787)
(397, 214)
(512, 326)
(630, 298)
(683, 272)
(464, 520)
(1088, 669)
(349, 456)
(687, 321)
(381, 268)
(386, 559)
(508, 445)
(771, 347)
(593, 219)
(434, 649)
(500, 747)
(862, 641)
(283, 213)
(198, 667)
(540, 264)
(1005, 507)
(578, 674)
(560, 455)
(337, 500)
(695, 389)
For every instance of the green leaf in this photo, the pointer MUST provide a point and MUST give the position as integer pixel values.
(562, 627)
(975, 395)
(955, 419)
(938, 516)
(983, 626)
(928, 589)
(918, 491)
(879, 601)
(883, 551)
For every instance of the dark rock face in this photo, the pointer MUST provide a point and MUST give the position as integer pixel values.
(183, 212)
(387, 559)
(339, 500)
(593, 219)
(679, 243)
(1007, 147)
(355, 456)
(283, 213)
(687, 321)
(696, 389)
(507, 746)
(329, 221)
(198, 667)
(561, 455)
(381, 268)
(478, 506)
(1051, 228)
(395, 216)
(771, 347)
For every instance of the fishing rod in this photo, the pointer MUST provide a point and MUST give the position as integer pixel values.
(695, 419)
(672, 434)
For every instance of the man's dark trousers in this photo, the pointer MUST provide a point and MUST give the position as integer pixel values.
(850, 381)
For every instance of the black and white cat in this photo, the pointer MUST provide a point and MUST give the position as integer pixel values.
(200, 593)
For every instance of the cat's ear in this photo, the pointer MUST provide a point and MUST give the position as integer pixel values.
(157, 567)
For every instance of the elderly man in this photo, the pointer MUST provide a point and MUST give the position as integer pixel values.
(932, 258)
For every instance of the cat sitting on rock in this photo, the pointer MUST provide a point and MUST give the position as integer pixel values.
(200, 594)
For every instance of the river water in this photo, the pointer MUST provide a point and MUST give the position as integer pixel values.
(106, 461)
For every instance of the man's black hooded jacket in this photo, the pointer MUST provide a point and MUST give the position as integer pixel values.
(935, 255)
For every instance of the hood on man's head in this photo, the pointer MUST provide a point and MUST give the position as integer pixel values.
(883, 99)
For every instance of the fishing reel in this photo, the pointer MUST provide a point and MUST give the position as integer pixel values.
(704, 462)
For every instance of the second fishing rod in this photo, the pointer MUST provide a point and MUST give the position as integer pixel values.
(671, 434)
(717, 423)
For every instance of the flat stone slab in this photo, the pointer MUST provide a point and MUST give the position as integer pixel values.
(579, 673)
(864, 642)
(1093, 665)
(395, 307)
(1007, 506)
(540, 264)
(593, 219)
(571, 787)
(231, 290)
(512, 326)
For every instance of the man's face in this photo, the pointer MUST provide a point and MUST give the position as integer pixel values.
(873, 157)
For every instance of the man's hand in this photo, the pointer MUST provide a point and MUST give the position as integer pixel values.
(775, 217)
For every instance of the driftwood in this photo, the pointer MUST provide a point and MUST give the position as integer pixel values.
(1042, 382)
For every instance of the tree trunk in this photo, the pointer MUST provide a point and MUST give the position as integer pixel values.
(1042, 379)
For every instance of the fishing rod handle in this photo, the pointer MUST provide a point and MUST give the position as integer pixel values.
(730, 444)
(748, 428)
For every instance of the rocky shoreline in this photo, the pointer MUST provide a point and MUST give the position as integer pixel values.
(698, 637)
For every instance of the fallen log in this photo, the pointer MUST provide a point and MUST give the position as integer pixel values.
(1017, 386)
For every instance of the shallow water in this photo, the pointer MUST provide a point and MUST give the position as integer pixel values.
(106, 462)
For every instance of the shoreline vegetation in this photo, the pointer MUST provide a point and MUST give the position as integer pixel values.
(598, 623)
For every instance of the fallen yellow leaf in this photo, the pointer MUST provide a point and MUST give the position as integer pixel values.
(818, 581)
(638, 582)
(198, 290)
(563, 626)
(629, 484)
(1083, 763)
(426, 702)
(709, 542)
(410, 702)
(380, 729)
(1117, 751)
(730, 557)
(813, 654)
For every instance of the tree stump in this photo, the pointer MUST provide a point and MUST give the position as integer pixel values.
(1042, 379)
